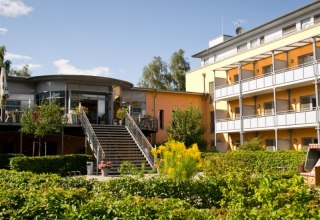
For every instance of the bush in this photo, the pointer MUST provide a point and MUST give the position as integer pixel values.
(51, 164)
(5, 160)
(128, 168)
(176, 161)
(253, 145)
(253, 162)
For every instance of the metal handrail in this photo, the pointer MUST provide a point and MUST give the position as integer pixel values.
(91, 137)
(142, 142)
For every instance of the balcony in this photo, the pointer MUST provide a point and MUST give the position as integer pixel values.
(280, 78)
(287, 119)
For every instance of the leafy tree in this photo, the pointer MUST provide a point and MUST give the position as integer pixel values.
(2, 53)
(45, 120)
(155, 75)
(178, 67)
(24, 72)
(187, 127)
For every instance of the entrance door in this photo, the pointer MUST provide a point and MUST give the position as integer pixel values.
(92, 109)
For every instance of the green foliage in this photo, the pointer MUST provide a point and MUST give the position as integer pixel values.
(187, 126)
(121, 113)
(50, 164)
(128, 168)
(252, 145)
(157, 76)
(5, 160)
(253, 162)
(178, 67)
(48, 121)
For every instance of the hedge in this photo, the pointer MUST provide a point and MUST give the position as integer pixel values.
(253, 161)
(51, 164)
(5, 160)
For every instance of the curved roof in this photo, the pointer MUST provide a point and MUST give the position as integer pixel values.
(82, 79)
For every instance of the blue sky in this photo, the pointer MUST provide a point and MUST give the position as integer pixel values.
(117, 38)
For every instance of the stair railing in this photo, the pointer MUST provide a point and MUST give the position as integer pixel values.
(91, 137)
(140, 139)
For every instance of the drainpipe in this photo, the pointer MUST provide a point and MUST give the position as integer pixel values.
(274, 101)
(215, 109)
(315, 69)
(240, 103)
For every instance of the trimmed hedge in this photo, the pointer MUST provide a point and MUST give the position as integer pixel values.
(253, 161)
(51, 164)
(5, 160)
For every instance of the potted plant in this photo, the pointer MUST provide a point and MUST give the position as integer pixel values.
(121, 113)
(105, 167)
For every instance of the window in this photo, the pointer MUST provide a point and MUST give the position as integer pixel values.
(289, 29)
(268, 108)
(308, 103)
(242, 47)
(161, 119)
(236, 78)
(317, 19)
(262, 40)
(308, 140)
(306, 23)
(305, 58)
(212, 125)
(237, 111)
(254, 43)
(267, 69)
(270, 144)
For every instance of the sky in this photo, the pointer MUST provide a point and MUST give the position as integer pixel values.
(117, 38)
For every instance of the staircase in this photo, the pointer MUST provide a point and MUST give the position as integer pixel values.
(118, 143)
(119, 146)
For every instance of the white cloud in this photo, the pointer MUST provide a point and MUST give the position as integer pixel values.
(30, 65)
(64, 67)
(3, 31)
(12, 56)
(14, 8)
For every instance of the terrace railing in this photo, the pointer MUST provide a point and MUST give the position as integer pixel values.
(91, 137)
(142, 142)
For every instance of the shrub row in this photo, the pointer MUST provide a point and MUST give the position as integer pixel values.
(51, 164)
(253, 161)
(5, 160)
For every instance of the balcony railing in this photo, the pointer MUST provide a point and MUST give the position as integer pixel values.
(282, 119)
(279, 78)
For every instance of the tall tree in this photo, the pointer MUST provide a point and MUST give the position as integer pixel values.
(2, 53)
(178, 67)
(155, 75)
(187, 127)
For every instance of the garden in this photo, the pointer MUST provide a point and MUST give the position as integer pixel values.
(236, 185)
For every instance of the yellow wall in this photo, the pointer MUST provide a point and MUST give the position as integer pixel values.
(297, 93)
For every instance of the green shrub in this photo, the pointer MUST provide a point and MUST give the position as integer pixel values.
(253, 162)
(128, 168)
(252, 145)
(50, 164)
(5, 160)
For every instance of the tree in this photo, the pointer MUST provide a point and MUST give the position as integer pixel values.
(178, 67)
(45, 120)
(155, 75)
(187, 127)
(2, 53)
(24, 72)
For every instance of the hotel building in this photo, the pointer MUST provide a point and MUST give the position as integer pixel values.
(264, 82)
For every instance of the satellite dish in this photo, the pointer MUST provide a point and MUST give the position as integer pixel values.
(239, 30)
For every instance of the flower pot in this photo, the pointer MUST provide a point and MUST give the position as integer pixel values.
(105, 172)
